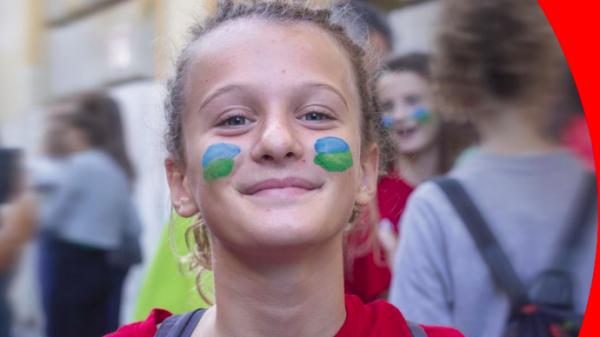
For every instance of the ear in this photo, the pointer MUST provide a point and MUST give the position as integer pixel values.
(369, 168)
(181, 197)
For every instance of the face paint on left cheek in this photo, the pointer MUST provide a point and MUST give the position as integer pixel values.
(333, 154)
(387, 122)
(218, 160)
(421, 115)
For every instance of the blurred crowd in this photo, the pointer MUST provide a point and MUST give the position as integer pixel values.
(494, 154)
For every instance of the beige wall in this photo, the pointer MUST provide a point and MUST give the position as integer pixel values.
(12, 57)
(21, 56)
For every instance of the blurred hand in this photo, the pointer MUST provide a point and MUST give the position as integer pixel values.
(388, 240)
(19, 224)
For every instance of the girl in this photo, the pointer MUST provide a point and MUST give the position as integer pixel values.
(273, 146)
(427, 148)
(86, 221)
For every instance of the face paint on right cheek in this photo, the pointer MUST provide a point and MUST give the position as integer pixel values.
(333, 154)
(421, 115)
(218, 160)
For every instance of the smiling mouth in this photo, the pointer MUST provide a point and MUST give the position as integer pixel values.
(281, 187)
(406, 132)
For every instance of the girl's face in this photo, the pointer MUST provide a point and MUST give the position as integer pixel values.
(407, 102)
(263, 99)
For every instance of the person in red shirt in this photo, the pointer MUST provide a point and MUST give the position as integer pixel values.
(273, 147)
(427, 146)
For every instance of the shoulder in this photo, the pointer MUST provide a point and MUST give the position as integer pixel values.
(392, 186)
(427, 210)
(146, 328)
(383, 319)
(93, 159)
(375, 319)
(98, 164)
(428, 193)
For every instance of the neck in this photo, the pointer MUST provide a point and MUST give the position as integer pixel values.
(299, 297)
(509, 133)
(416, 168)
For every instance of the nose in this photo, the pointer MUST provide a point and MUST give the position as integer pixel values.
(401, 113)
(278, 141)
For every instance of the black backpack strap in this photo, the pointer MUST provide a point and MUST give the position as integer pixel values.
(493, 255)
(581, 213)
(416, 330)
(180, 325)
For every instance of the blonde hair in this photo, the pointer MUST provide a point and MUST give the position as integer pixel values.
(277, 11)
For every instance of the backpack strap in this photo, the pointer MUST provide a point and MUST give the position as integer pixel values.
(493, 255)
(180, 325)
(579, 219)
(416, 330)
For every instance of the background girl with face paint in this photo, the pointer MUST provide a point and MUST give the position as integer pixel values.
(427, 147)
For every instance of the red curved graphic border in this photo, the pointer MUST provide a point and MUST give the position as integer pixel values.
(577, 26)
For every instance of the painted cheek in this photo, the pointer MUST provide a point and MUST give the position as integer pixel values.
(387, 122)
(333, 154)
(421, 115)
(217, 161)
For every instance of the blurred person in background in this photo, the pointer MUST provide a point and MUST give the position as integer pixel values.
(427, 147)
(17, 225)
(428, 144)
(89, 227)
(498, 62)
(366, 25)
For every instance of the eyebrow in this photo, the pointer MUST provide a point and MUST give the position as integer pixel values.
(221, 91)
(317, 85)
(245, 88)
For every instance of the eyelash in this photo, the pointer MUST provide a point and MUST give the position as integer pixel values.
(326, 115)
(223, 120)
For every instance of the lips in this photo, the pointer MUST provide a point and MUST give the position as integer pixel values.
(406, 132)
(294, 185)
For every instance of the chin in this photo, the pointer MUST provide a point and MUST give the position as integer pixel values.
(278, 231)
(411, 150)
(413, 147)
(299, 228)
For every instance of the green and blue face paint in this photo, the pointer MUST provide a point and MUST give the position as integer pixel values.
(421, 115)
(387, 122)
(218, 160)
(333, 154)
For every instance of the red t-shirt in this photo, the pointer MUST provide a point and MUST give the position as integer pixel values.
(369, 279)
(378, 319)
